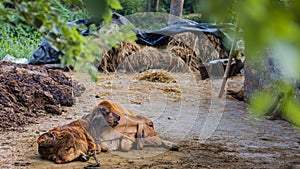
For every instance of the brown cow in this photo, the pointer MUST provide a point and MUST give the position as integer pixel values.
(110, 126)
(132, 130)
(73, 141)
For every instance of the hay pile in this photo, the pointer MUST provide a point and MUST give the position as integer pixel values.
(152, 58)
(173, 92)
(114, 57)
(186, 52)
(190, 59)
(153, 75)
(196, 50)
(205, 46)
(28, 92)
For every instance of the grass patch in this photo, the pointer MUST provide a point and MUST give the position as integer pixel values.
(19, 46)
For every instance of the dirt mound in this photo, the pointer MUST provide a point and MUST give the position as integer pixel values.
(114, 57)
(152, 58)
(161, 76)
(28, 91)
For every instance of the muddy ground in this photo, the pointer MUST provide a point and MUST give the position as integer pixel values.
(211, 132)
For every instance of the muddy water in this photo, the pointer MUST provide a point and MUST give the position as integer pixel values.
(211, 132)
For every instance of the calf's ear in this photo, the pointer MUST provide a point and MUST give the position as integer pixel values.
(70, 141)
(46, 139)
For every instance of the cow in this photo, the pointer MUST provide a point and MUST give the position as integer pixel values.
(73, 141)
(108, 127)
(131, 130)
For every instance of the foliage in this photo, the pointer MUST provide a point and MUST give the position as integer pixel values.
(149, 21)
(268, 24)
(280, 97)
(20, 40)
(132, 7)
(45, 16)
(193, 17)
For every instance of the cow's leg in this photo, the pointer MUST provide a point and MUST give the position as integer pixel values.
(169, 145)
(52, 157)
(84, 157)
(103, 146)
(140, 137)
(64, 156)
(126, 145)
(91, 144)
(97, 164)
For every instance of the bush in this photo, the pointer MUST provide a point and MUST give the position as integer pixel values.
(20, 40)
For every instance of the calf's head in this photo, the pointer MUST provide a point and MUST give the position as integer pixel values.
(46, 146)
(59, 146)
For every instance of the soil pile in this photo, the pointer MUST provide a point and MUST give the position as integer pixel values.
(28, 92)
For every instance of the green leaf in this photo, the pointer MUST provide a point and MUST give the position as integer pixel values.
(107, 15)
(37, 22)
(260, 103)
(292, 112)
(115, 4)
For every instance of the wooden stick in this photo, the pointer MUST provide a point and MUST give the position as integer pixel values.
(227, 70)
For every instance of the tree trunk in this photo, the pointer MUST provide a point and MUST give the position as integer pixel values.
(176, 9)
(152, 5)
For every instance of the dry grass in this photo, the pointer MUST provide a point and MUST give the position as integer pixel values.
(160, 76)
(114, 57)
(152, 58)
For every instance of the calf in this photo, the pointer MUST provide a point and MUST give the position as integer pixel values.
(66, 143)
(73, 141)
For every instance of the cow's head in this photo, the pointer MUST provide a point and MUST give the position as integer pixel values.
(101, 117)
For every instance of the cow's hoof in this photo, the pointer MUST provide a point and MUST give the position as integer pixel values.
(174, 147)
(84, 158)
